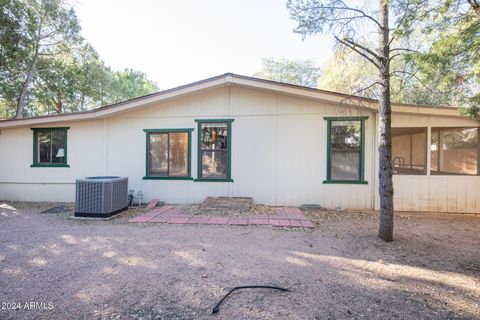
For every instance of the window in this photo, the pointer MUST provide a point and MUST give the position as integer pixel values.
(214, 150)
(409, 151)
(50, 147)
(345, 150)
(168, 154)
(454, 151)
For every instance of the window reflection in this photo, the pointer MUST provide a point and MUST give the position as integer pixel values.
(454, 151)
(50, 146)
(214, 147)
(168, 154)
(345, 150)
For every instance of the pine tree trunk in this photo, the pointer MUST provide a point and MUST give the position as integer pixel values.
(82, 103)
(385, 127)
(58, 105)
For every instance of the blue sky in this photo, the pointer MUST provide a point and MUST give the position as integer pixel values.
(177, 42)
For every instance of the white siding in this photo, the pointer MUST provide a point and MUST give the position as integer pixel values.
(18, 181)
(278, 155)
(278, 152)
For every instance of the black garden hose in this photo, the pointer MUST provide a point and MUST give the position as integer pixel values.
(216, 309)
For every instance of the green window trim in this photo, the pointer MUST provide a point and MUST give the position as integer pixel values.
(35, 162)
(345, 182)
(147, 153)
(199, 150)
(362, 180)
(50, 165)
(212, 180)
(166, 178)
(347, 118)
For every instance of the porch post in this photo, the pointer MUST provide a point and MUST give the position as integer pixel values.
(428, 150)
(478, 151)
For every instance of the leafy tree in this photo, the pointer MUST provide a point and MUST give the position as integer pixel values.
(46, 67)
(56, 84)
(73, 79)
(299, 72)
(453, 56)
(128, 84)
(14, 49)
(92, 79)
(349, 73)
(50, 24)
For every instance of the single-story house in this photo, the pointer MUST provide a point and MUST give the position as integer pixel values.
(239, 136)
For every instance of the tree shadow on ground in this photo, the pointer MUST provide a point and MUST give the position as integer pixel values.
(103, 270)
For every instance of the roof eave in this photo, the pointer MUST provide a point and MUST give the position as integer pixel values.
(235, 80)
(118, 108)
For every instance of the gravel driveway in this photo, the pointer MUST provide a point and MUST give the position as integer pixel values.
(114, 270)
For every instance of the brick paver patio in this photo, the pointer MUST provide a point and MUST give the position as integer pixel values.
(284, 217)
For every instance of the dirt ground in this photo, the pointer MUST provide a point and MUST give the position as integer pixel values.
(341, 270)
(256, 210)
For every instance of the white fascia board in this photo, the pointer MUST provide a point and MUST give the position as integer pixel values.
(114, 109)
(231, 79)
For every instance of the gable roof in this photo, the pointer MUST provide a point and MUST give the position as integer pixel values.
(229, 79)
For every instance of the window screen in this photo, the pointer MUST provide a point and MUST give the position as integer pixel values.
(409, 151)
(454, 151)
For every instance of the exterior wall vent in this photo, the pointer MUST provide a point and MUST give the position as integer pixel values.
(101, 197)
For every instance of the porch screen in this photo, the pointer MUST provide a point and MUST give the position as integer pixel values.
(168, 154)
(408, 151)
(345, 150)
(455, 151)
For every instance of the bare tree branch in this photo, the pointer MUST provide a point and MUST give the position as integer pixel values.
(366, 88)
(361, 12)
(48, 35)
(353, 43)
(344, 7)
(394, 56)
(413, 75)
(403, 49)
(354, 48)
(400, 54)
